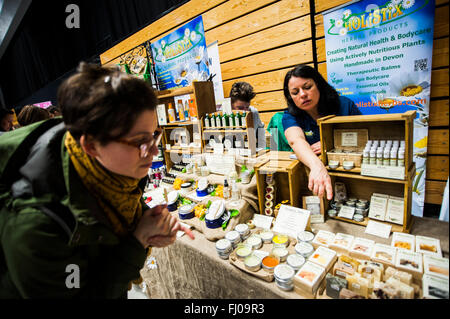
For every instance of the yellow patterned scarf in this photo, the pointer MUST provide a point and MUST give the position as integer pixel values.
(118, 196)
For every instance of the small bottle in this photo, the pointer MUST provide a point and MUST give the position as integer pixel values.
(181, 111)
(382, 143)
(235, 193)
(239, 119)
(393, 157)
(379, 156)
(401, 157)
(233, 120)
(221, 120)
(171, 112)
(244, 120)
(402, 144)
(227, 120)
(213, 120)
(207, 123)
(386, 158)
(366, 159)
(372, 156)
(192, 108)
(186, 110)
(226, 190)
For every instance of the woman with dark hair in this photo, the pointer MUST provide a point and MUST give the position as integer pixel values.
(309, 97)
(6, 120)
(31, 114)
(73, 223)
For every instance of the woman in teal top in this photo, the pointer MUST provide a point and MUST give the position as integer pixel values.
(309, 97)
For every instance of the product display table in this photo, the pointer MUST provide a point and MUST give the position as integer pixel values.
(192, 268)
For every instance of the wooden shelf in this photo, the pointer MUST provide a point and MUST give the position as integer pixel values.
(348, 174)
(369, 118)
(174, 92)
(356, 170)
(180, 123)
(184, 151)
(227, 129)
(395, 227)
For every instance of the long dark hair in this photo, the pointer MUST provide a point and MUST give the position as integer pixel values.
(329, 98)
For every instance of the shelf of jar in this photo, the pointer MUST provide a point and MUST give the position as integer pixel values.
(184, 151)
(356, 170)
(227, 152)
(395, 227)
(407, 180)
(225, 128)
(175, 92)
(179, 123)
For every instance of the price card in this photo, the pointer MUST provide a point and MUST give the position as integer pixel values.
(262, 221)
(346, 212)
(378, 229)
(349, 139)
(218, 149)
(291, 220)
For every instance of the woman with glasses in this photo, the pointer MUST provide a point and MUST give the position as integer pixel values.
(72, 221)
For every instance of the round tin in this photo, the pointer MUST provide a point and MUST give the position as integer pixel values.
(354, 199)
(186, 211)
(254, 241)
(304, 249)
(358, 217)
(284, 275)
(234, 237)
(295, 261)
(280, 252)
(280, 240)
(363, 201)
(266, 236)
(243, 251)
(305, 236)
(350, 203)
(332, 212)
(224, 248)
(267, 267)
(339, 206)
(252, 263)
(202, 193)
(360, 205)
(243, 230)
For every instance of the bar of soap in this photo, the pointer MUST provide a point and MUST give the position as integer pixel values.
(361, 248)
(348, 294)
(435, 287)
(384, 290)
(370, 272)
(323, 257)
(334, 286)
(399, 275)
(342, 269)
(360, 285)
(384, 254)
(435, 265)
(403, 241)
(342, 243)
(410, 262)
(406, 291)
(308, 278)
(323, 238)
(428, 245)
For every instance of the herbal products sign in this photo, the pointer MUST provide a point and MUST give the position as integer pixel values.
(379, 55)
(180, 57)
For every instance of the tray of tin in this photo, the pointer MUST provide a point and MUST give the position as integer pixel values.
(267, 247)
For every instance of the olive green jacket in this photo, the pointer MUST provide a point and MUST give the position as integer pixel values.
(54, 240)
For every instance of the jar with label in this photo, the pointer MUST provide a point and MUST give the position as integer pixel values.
(207, 125)
(284, 275)
(243, 230)
(380, 156)
(224, 248)
(386, 157)
(372, 156)
(393, 157)
(234, 237)
(401, 157)
(366, 159)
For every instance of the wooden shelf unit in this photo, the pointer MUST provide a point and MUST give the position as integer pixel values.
(380, 127)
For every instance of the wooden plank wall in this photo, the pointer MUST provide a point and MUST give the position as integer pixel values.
(260, 40)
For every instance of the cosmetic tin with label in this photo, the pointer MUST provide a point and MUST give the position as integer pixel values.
(270, 262)
(295, 261)
(243, 230)
(254, 241)
(186, 211)
(243, 251)
(234, 237)
(252, 263)
(224, 248)
(304, 249)
(284, 275)
(280, 252)
(266, 236)
(305, 236)
(172, 199)
(280, 240)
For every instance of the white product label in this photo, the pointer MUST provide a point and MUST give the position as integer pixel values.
(341, 273)
(291, 220)
(356, 286)
(378, 229)
(378, 206)
(347, 212)
(349, 139)
(262, 221)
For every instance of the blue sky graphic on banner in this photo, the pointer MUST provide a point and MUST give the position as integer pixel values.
(379, 55)
(181, 56)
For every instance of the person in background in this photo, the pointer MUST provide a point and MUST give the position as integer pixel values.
(309, 97)
(6, 120)
(54, 111)
(73, 223)
(241, 94)
(31, 114)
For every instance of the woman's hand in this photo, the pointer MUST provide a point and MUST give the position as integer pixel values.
(158, 227)
(316, 148)
(320, 182)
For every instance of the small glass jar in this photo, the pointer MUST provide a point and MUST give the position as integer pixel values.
(372, 157)
(379, 156)
(284, 275)
(350, 203)
(401, 157)
(386, 157)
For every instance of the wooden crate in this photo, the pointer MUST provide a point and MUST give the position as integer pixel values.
(290, 181)
(381, 127)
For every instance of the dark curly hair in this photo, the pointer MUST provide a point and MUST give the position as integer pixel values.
(103, 102)
(329, 98)
(242, 91)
